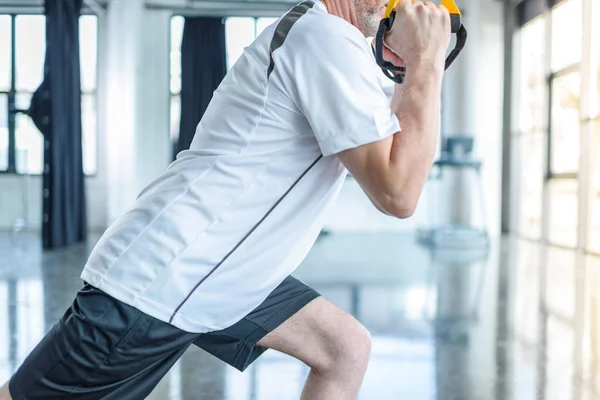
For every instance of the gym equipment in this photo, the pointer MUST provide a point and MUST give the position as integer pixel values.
(457, 156)
(386, 24)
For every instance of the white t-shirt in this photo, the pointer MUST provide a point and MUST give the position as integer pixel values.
(236, 214)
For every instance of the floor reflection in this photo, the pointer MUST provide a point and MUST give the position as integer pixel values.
(520, 322)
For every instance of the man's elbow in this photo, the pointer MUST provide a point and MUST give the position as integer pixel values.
(402, 212)
(401, 207)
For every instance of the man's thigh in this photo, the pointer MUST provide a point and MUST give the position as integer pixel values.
(101, 348)
(238, 345)
(319, 334)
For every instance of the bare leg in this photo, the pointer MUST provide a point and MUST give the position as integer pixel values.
(4, 393)
(332, 343)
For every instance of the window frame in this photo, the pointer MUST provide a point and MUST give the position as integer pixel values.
(10, 101)
(550, 174)
(585, 66)
(12, 93)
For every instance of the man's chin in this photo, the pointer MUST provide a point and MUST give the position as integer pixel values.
(369, 31)
(370, 22)
(374, 26)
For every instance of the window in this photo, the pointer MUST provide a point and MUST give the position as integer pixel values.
(5, 77)
(563, 212)
(566, 129)
(594, 120)
(532, 127)
(594, 206)
(567, 34)
(88, 54)
(5, 40)
(30, 48)
(565, 123)
(533, 78)
(21, 143)
(595, 55)
(240, 32)
(3, 132)
(531, 184)
(596, 96)
(176, 36)
(550, 121)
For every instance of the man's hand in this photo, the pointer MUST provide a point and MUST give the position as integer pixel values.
(389, 55)
(420, 34)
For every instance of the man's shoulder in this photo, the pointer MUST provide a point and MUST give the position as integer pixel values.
(323, 29)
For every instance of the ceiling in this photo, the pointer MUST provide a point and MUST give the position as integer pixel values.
(225, 7)
(183, 7)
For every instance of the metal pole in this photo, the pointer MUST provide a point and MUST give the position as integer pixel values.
(509, 29)
(11, 98)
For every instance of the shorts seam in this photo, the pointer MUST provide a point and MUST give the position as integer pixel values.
(62, 357)
(292, 302)
(103, 362)
(247, 347)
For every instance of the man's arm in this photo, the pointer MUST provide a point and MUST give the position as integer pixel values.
(396, 98)
(393, 171)
(395, 106)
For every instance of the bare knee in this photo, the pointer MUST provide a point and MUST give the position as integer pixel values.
(346, 353)
(329, 340)
(4, 393)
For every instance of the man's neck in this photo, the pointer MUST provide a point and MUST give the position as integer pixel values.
(342, 8)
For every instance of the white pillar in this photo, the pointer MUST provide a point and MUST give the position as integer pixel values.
(153, 113)
(489, 110)
(134, 103)
(458, 116)
(472, 106)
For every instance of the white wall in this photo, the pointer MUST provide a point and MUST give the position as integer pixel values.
(14, 200)
(15, 189)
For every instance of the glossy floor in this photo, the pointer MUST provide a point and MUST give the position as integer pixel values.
(521, 322)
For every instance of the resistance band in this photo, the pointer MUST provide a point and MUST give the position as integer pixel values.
(386, 25)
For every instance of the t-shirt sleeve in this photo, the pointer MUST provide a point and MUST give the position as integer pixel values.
(336, 82)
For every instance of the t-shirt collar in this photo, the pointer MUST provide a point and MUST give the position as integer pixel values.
(320, 4)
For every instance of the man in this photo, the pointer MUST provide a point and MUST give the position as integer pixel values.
(205, 255)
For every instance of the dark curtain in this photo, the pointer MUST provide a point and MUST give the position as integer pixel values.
(203, 67)
(56, 111)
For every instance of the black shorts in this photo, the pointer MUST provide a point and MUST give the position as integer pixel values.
(103, 348)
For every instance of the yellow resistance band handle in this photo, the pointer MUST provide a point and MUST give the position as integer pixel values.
(396, 73)
(455, 14)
